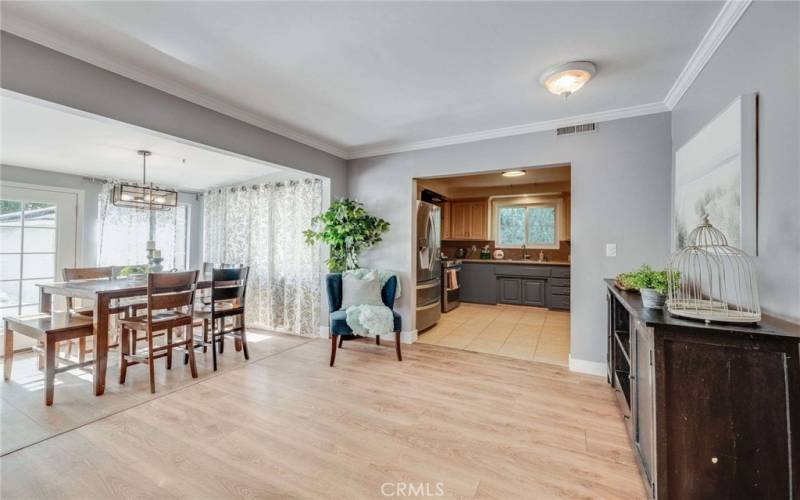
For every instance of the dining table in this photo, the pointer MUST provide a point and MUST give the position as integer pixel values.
(102, 293)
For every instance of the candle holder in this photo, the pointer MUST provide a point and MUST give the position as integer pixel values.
(154, 258)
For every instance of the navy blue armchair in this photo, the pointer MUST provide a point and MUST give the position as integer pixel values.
(338, 318)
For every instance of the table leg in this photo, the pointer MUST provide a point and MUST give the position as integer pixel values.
(45, 306)
(9, 352)
(45, 301)
(49, 370)
(100, 343)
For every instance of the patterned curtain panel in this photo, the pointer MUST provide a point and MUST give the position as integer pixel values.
(123, 233)
(262, 226)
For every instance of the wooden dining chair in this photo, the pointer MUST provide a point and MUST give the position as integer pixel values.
(170, 304)
(118, 308)
(228, 289)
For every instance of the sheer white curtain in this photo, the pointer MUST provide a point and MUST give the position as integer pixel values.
(262, 226)
(123, 233)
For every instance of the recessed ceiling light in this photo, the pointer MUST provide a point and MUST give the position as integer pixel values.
(514, 173)
(566, 79)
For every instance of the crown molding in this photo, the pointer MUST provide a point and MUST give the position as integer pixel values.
(727, 18)
(601, 116)
(26, 30)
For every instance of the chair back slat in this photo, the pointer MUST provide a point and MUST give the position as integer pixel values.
(87, 273)
(171, 300)
(170, 290)
(170, 282)
(229, 274)
(229, 284)
(228, 292)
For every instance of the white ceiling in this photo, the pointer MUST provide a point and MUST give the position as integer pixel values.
(46, 137)
(538, 175)
(357, 77)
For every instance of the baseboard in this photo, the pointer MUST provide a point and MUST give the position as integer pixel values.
(588, 367)
(408, 337)
(405, 337)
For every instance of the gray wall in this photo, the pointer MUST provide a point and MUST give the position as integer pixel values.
(90, 192)
(37, 71)
(620, 194)
(761, 54)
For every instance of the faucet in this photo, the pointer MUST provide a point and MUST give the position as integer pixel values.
(525, 255)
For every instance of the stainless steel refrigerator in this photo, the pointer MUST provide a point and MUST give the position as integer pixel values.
(429, 264)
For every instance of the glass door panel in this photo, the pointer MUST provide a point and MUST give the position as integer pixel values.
(38, 236)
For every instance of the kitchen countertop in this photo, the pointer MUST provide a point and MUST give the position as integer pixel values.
(519, 262)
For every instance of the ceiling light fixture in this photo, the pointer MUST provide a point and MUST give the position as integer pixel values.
(514, 173)
(143, 196)
(566, 79)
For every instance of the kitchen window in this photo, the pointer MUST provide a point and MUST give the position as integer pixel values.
(534, 225)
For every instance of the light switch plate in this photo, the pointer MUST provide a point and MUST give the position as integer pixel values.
(611, 249)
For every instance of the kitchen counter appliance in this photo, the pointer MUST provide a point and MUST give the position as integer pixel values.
(429, 265)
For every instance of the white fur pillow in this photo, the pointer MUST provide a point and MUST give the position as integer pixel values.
(360, 292)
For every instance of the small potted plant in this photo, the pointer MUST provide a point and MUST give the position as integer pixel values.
(135, 274)
(651, 284)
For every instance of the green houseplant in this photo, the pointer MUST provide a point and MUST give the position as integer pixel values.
(348, 229)
(651, 284)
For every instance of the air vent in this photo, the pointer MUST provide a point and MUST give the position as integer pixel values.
(577, 129)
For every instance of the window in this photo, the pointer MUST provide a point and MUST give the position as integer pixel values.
(532, 225)
(123, 233)
(27, 253)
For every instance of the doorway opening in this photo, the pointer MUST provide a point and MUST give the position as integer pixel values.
(500, 246)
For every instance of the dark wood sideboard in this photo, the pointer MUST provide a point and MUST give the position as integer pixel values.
(713, 411)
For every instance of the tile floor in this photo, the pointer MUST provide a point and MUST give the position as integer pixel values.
(529, 333)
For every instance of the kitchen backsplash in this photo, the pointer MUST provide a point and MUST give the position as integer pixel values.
(450, 248)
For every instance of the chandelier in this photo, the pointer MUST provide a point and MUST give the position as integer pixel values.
(143, 196)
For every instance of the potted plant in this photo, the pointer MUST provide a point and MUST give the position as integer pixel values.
(134, 273)
(651, 284)
(348, 229)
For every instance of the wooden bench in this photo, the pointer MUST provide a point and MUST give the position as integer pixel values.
(49, 331)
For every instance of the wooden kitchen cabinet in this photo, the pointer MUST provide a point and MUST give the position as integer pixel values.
(459, 212)
(477, 221)
(446, 217)
(468, 220)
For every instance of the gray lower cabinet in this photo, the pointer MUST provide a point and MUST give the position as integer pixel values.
(478, 283)
(521, 291)
(533, 292)
(530, 285)
(510, 290)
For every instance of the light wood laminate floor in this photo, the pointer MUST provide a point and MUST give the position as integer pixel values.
(475, 425)
(25, 418)
(520, 332)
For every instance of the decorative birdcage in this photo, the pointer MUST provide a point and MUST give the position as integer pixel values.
(711, 281)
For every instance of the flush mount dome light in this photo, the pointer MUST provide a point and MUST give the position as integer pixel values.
(566, 79)
(514, 173)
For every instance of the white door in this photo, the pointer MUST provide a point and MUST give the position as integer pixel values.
(38, 237)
